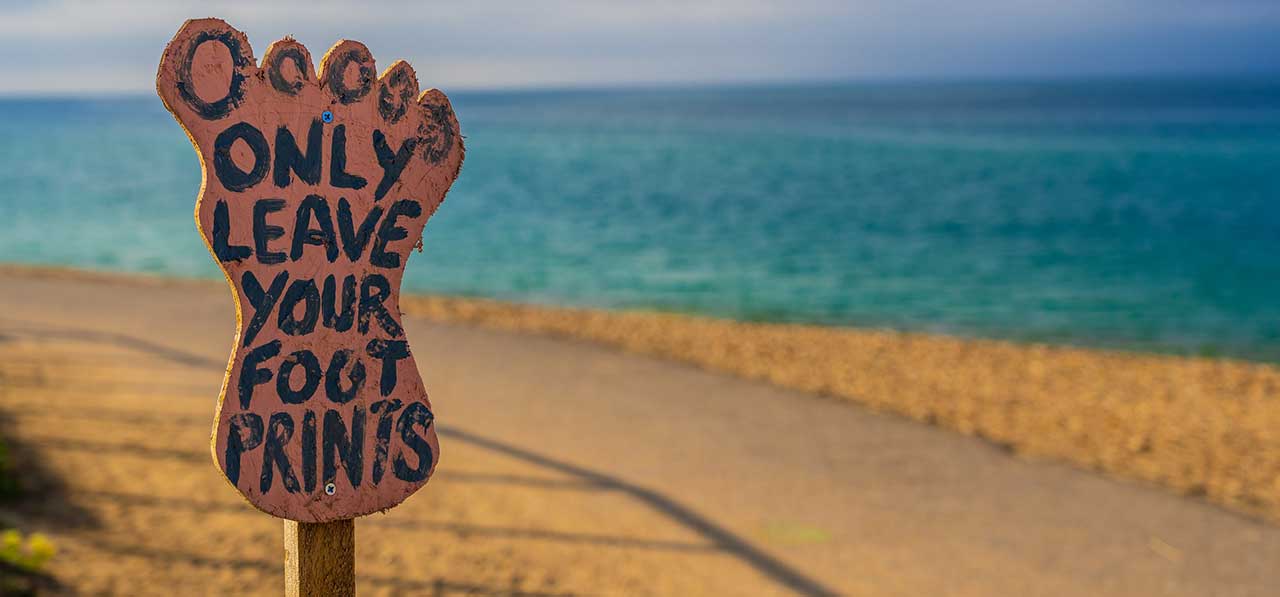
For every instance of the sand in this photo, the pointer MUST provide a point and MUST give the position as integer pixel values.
(1201, 427)
(567, 469)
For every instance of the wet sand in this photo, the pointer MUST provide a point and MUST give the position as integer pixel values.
(569, 469)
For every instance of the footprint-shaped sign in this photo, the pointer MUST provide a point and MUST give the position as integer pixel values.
(316, 188)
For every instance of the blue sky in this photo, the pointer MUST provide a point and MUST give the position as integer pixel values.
(96, 47)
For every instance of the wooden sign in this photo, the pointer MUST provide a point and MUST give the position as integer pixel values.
(317, 185)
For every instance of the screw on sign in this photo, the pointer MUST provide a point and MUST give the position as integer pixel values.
(316, 188)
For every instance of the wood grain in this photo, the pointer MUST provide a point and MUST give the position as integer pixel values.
(319, 559)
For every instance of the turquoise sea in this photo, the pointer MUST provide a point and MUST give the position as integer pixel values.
(1139, 214)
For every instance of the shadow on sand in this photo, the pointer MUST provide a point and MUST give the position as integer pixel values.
(717, 538)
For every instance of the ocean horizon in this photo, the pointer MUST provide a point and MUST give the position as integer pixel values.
(1138, 214)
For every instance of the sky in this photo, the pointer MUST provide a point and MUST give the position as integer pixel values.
(74, 48)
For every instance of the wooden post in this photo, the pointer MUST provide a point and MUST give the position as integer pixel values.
(320, 559)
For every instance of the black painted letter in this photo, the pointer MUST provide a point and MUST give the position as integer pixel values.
(385, 409)
(251, 375)
(303, 291)
(339, 316)
(222, 247)
(392, 162)
(333, 377)
(353, 240)
(244, 433)
(264, 233)
(229, 174)
(338, 175)
(374, 291)
(261, 300)
(279, 432)
(311, 368)
(388, 232)
(389, 351)
(288, 156)
(338, 444)
(414, 415)
(304, 234)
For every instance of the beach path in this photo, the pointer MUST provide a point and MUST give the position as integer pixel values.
(566, 468)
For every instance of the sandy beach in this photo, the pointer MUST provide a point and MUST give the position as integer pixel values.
(568, 468)
(1200, 427)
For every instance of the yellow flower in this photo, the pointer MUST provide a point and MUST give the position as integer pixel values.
(10, 542)
(39, 550)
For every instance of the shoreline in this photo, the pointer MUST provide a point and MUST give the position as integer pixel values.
(1118, 348)
(1199, 426)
